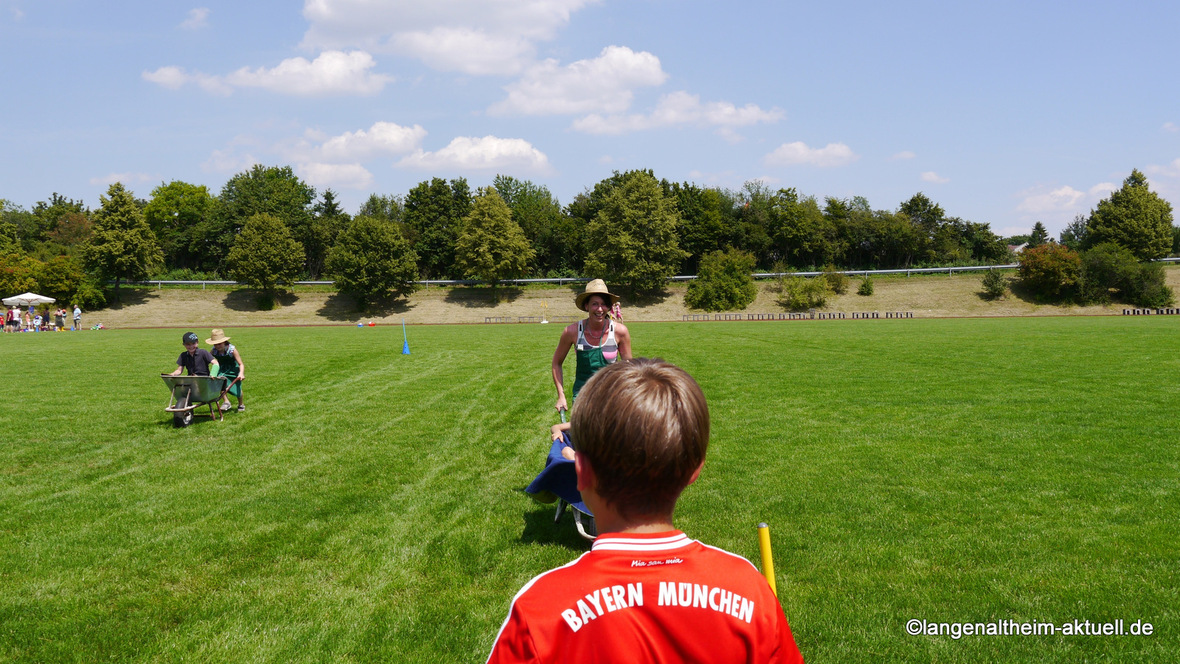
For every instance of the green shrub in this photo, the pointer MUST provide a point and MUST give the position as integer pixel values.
(91, 294)
(1050, 271)
(1111, 271)
(837, 281)
(866, 287)
(723, 282)
(1106, 270)
(994, 285)
(1146, 288)
(800, 293)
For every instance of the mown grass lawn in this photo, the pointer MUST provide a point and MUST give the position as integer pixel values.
(368, 506)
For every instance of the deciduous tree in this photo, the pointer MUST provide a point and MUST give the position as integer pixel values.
(552, 235)
(724, 282)
(632, 240)
(328, 222)
(265, 255)
(122, 245)
(1050, 271)
(492, 247)
(434, 210)
(1134, 217)
(372, 259)
(273, 190)
(175, 212)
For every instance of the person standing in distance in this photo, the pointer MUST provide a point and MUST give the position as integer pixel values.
(597, 341)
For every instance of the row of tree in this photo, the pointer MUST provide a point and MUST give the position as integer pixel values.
(267, 227)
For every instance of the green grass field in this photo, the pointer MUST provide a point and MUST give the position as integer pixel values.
(368, 506)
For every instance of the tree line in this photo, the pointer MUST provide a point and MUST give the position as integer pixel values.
(268, 228)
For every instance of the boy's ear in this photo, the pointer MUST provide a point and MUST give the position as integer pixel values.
(696, 473)
(585, 472)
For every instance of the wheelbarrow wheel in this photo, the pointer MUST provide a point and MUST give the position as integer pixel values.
(182, 418)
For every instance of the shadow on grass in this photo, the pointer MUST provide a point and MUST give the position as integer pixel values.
(540, 529)
(1017, 290)
(131, 297)
(482, 297)
(643, 299)
(342, 307)
(246, 299)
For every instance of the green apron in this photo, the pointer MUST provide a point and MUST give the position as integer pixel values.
(229, 369)
(591, 358)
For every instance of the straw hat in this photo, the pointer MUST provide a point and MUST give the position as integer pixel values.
(595, 287)
(218, 337)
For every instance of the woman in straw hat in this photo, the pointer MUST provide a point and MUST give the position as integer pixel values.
(597, 341)
(232, 367)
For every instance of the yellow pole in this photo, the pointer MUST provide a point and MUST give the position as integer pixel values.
(767, 558)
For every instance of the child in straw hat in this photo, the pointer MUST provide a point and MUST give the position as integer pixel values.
(232, 367)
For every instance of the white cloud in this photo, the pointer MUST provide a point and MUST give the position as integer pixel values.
(681, 109)
(125, 178)
(172, 78)
(228, 161)
(197, 18)
(487, 153)
(931, 176)
(473, 36)
(604, 84)
(1062, 199)
(466, 50)
(1165, 180)
(797, 153)
(332, 73)
(1171, 127)
(904, 154)
(1102, 189)
(344, 176)
(383, 138)
(1171, 170)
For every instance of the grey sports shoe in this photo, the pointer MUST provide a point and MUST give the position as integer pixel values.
(241, 408)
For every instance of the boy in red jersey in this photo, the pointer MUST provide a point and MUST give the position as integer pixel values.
(645, 592)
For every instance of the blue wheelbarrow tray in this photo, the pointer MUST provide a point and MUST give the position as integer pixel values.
(559, 480)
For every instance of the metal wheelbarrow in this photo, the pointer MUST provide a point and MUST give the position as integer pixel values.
(192, 392)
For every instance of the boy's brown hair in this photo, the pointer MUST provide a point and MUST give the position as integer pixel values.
(643, 426)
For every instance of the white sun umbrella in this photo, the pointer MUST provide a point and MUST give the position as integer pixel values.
(25, 299)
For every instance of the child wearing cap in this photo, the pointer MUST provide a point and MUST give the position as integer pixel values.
(645, 592)
(197, 360)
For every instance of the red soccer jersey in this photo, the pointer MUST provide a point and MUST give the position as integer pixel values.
(647, 598)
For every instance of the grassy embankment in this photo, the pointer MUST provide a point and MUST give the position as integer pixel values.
(937, 296)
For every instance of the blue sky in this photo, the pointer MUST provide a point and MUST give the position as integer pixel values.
(1002, 112)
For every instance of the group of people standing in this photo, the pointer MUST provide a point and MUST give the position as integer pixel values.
(32, 320)
(222, 360)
